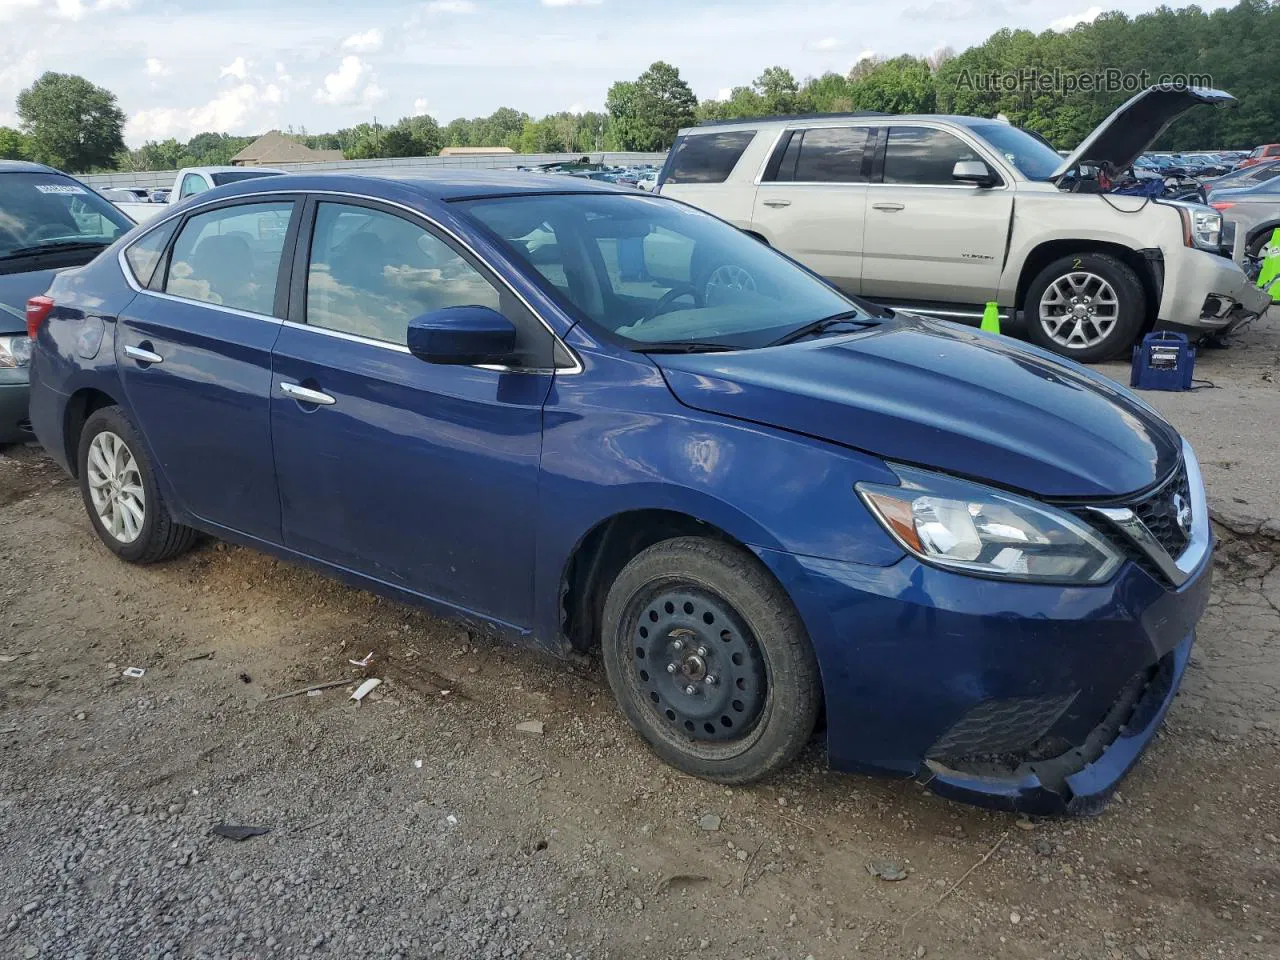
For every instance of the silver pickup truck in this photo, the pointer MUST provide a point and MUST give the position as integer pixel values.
(942, 214)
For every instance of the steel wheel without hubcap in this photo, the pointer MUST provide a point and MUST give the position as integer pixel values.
(729, 276)
(115, 487)
(701, 670)
(1079, 309)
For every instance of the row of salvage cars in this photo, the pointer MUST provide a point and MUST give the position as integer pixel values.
(595, 419)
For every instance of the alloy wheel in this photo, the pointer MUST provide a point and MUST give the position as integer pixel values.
(115, 487)
(1079, 310)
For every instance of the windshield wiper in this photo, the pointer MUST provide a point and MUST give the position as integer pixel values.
(682, 346)
(61, 246)
(826, 323)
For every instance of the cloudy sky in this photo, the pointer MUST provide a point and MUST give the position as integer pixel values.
(180, 67)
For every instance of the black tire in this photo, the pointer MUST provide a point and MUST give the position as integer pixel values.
(159, 537)
(758, 687)
(1130, 312)
(1254, 249)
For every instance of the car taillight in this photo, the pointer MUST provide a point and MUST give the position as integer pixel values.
(38, 310)
(1222, 206)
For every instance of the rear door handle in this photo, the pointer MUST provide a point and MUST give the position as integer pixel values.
(142, 356)
(306, 395)
(887, 206)
(776, 203)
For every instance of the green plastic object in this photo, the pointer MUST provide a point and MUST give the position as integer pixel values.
(991, 315)
(1271, 267)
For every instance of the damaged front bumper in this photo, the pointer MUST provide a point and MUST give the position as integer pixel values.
(1205, 293)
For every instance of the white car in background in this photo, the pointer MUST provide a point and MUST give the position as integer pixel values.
(188, 182)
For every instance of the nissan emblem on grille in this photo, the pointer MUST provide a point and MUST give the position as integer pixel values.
(1182, 513)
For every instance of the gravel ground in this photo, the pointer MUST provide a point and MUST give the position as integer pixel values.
(425, 822)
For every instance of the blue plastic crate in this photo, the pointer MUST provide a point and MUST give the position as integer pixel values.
(1163, 361)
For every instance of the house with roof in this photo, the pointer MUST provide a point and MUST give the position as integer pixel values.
(275, 148)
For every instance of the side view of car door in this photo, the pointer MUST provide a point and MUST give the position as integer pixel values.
(194, 353)
(812, 199)
(423, 476)
(930, 237)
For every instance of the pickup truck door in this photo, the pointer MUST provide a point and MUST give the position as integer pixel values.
(927, 236)
(812, 199)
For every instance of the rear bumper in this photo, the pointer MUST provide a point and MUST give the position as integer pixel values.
(15, 423)
(1014, 696)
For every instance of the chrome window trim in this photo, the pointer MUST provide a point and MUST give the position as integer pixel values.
(1178, 571)
(302, 195)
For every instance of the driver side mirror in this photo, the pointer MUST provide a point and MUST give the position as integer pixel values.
(975, 172)
(462, 336)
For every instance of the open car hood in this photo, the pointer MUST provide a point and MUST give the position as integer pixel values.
(1122, 137)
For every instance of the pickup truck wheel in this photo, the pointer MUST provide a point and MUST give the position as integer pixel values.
(709, 660)
(1086, 306)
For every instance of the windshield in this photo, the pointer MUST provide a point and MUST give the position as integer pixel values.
(235, 176)
(46, 209)
(1034, 158)
(650, 271)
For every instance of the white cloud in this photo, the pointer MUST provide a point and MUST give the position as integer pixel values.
(368, 42)
(826, 43)
(237, 68)
(246, 107)
(352, 84)
(572, 3)
(420, 106)
(155, 68)
(451, 6)
(58, 9)
(1062, 24)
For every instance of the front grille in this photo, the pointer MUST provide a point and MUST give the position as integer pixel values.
(1160, 513)
(1158, 510)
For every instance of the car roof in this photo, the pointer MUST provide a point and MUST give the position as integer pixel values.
(25, 166)
(444, 186)
(870, 118)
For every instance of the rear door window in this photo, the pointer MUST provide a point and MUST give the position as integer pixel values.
(826, 155)
(708, 157)
(924, 155)
(231, 256)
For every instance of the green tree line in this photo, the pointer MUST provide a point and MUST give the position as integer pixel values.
(68, 122)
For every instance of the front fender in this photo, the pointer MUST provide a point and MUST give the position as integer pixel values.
(616, 440)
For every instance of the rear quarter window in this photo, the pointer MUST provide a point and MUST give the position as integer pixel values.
(708, 157)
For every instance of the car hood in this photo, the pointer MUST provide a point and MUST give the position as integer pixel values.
(15, 290)
(1122, 137)
(943, 396)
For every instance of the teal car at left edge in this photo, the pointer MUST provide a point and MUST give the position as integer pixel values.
(48, 222)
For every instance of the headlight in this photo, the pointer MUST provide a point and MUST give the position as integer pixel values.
(964, 526)
(15, 351)
(1201, 227)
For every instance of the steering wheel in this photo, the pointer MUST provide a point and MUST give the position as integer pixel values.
(666, 301)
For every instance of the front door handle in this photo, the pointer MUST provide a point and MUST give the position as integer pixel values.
(887, 206)
(306, 395)
(776, 203)
(142, 356)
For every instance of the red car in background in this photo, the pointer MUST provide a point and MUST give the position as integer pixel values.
(1268, 151)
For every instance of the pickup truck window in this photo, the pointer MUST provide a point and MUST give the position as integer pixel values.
(708, 157)
(923, 155)
(192, 184)
(825, 155)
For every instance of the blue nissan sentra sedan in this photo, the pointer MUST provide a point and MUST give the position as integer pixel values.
(597, 419)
